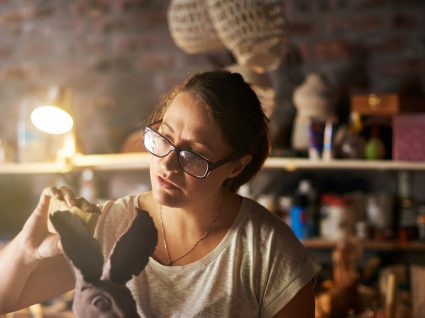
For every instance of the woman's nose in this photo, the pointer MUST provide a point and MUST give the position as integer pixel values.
(171, 162)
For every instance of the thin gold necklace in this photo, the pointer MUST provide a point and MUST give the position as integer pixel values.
(203, 236)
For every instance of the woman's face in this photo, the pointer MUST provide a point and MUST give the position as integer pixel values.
(188, 125)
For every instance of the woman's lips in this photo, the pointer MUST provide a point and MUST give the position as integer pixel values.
(166, 184)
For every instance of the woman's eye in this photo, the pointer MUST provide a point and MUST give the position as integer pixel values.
(102, 302)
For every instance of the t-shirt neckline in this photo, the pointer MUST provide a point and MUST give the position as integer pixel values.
(211, 255)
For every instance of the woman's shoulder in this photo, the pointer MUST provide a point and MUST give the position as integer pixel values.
(272, 238)
(126, 204)
(116, 215)
(258, 215)
(267, 228)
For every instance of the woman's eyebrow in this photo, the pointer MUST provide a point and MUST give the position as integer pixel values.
(168, 126)
(204, 145)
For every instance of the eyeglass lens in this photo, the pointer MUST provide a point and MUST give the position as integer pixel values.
(190, 162)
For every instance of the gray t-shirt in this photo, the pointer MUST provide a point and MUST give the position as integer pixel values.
(256, 269)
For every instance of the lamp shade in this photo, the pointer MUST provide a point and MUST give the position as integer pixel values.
(54, 116)
(52, 120)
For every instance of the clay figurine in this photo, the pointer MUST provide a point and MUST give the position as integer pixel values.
(313, 101)
(100, 289)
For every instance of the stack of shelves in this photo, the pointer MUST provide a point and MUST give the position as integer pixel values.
(140, 161)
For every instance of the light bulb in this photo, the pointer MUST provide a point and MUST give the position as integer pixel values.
(52, 120)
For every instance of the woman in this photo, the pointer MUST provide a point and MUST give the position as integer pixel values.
(219, 254)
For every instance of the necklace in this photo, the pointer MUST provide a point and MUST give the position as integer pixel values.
(203, 236)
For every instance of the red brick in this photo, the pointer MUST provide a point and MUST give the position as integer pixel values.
(155, 60)
(106, 64)
(140, 21)
(355, 24)
(387, 44)
(303, 6)
(6, 53)
(302, 27)
(12, 17)
(91, 9)
(405, 66)
(106, 24)
(127, 43)
(325, 50)
(408, 20)
(366, 4)
(14, 72)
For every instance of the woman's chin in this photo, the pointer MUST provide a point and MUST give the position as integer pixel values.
(166, 197)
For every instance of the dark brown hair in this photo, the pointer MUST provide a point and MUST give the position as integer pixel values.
(237, 111)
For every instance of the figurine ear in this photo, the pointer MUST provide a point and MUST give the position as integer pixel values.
(131, 252)
(78, 245)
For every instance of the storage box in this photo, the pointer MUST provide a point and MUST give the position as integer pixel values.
(386, 104)
(409, 137)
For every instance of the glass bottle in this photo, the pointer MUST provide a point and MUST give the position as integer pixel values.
(352, 146)
(407, 212)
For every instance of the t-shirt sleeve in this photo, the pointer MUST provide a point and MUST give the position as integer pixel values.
(114, 220)
(286, 270)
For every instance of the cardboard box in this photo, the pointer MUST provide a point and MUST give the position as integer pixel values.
(409, 137)
(386, 104)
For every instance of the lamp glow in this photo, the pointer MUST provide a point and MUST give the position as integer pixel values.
(52, 120)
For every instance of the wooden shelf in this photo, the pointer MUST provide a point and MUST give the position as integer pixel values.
(35, 168)
(136, 161)
(292, 164)
(112, 162)
(318, 243)
(140, 161)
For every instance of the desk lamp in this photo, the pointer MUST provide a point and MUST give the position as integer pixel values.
(54, 117)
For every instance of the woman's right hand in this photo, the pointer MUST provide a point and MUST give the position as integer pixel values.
(37, 241)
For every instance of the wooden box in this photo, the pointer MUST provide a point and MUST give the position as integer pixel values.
(409, 137)
(386, 104)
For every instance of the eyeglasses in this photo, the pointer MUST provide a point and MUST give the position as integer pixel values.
(192, 163)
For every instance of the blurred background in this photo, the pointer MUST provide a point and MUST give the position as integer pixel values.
(119, 57)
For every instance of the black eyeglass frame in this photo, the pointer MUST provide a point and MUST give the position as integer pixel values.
(210, 164)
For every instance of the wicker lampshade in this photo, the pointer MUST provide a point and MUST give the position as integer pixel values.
(255, 31)
(261, 83)
(191, 27)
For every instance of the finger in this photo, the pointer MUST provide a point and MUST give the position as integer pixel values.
(81, 203)
(68, 195)
(85, 205)
(52, 191)
(43, 203)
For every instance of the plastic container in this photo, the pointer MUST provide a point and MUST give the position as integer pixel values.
(302, 214)
(336, 220)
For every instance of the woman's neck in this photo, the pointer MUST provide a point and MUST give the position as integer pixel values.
(193, 220)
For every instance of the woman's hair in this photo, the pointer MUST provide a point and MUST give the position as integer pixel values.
(238, 113)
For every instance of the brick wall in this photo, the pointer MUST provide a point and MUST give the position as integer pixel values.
(383, 39)
(119, 57)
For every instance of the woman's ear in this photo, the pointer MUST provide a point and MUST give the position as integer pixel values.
(239, 165)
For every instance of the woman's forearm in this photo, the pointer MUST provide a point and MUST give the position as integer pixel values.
(32, 265)
(15, 269)
(25, 281)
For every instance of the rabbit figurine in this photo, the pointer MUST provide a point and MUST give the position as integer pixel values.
(100, 289)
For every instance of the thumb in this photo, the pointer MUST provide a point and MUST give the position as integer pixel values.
(51, 246)
(44, 202)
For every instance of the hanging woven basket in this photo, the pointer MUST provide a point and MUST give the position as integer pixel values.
(191, 27)
(261, 83)
(255, 31)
